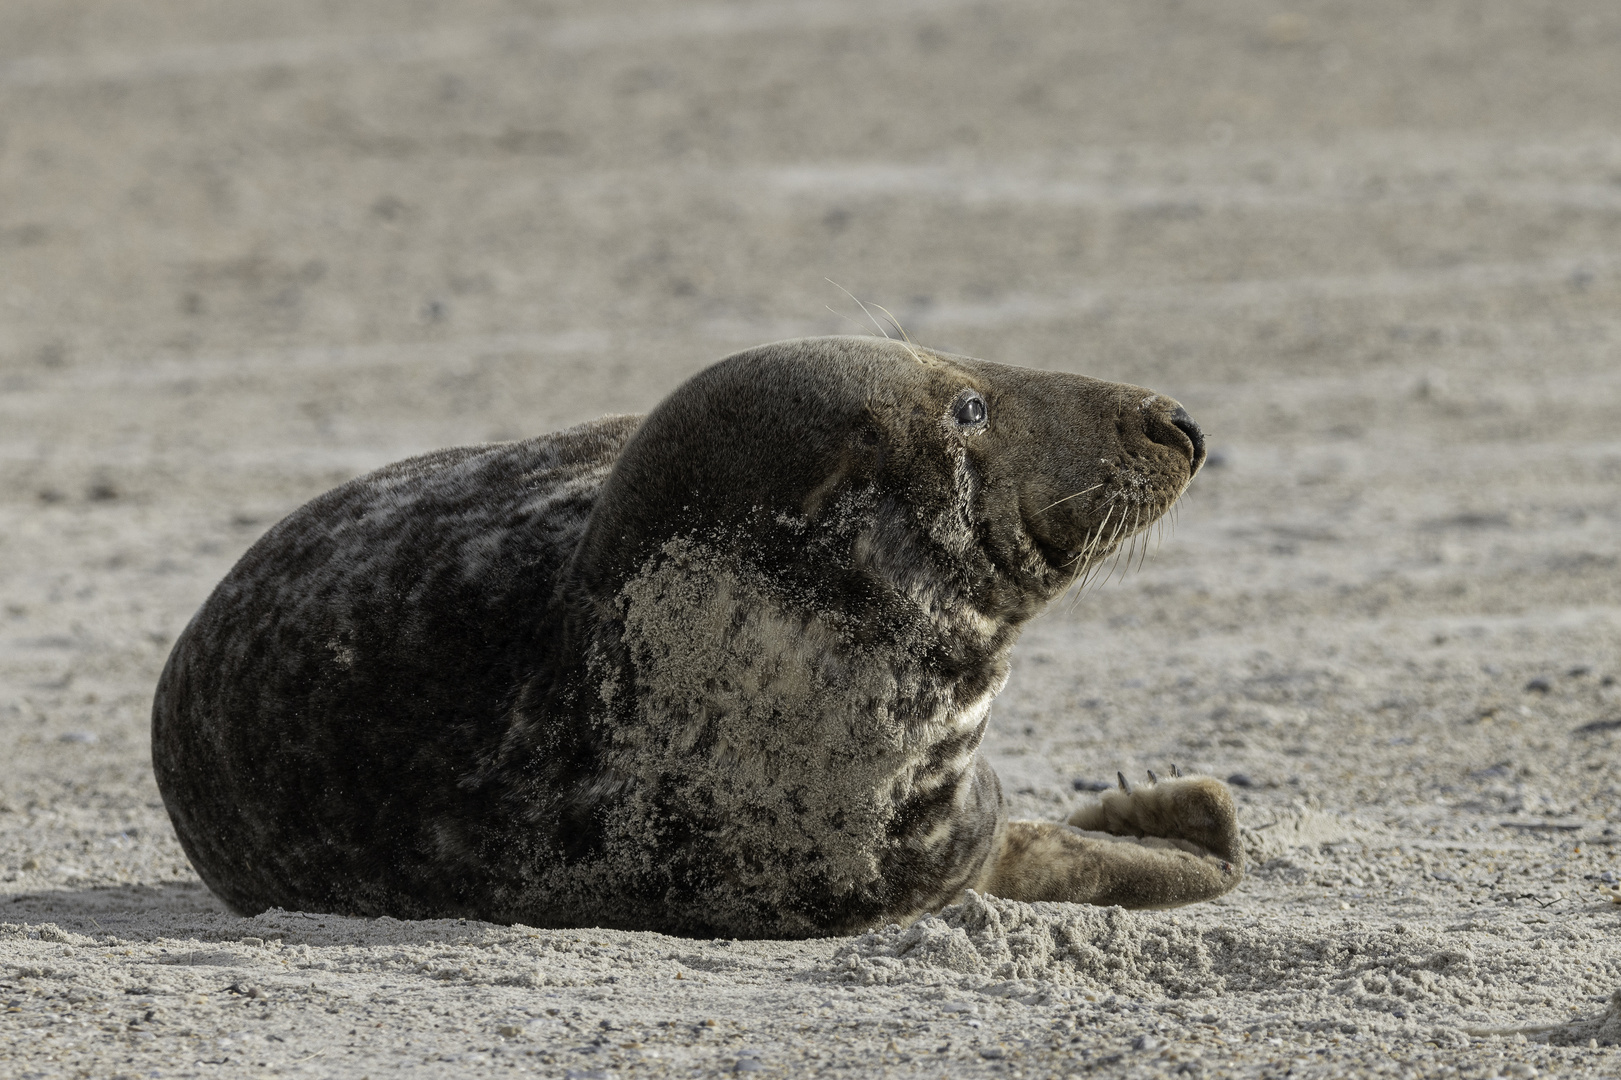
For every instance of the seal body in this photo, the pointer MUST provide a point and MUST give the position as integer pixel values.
(721, 670)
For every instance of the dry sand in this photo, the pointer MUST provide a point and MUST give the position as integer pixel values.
(249, 250)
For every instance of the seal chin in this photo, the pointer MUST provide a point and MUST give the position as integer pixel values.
(1059, 558)
(1061, 553)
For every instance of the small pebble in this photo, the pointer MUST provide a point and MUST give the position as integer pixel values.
(1599, 725)
(1539, 686)
(77, 737)
(1239, 779)
(1090, 785)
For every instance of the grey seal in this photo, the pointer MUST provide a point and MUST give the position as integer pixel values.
(722, 670)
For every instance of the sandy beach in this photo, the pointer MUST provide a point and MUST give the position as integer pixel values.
(249, 251)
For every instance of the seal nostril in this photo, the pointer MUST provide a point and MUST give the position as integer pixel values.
(1182, 420)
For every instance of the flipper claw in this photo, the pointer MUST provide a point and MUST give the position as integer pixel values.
(1123, 785)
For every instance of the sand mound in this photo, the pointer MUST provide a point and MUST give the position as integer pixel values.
(1329, 975)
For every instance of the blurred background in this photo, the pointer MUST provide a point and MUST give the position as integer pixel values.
(251, 249)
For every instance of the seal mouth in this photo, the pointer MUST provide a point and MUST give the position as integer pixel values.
(1119, 526)
(1056, 558)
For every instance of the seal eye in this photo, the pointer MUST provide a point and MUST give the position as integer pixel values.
(970, 411)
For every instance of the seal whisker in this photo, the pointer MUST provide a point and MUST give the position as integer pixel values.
(1080, 566)
(1118, 551)
(1067, 498)
(846, 318)
(1077, 559)
(1121, 531)
(1090, 551)
(1131, 549)
(1097, 536)
(1112, 548)
(859, 304)
(1092, 544)
(1083, 582)
(907, 343)
(896, 323)
(905, 338)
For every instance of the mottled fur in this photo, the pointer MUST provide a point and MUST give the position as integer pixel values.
(724, 670)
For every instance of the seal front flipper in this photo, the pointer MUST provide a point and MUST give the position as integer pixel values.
(1196, 809)
(1160, 845)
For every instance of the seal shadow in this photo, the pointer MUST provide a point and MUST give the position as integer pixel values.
(186, 910)
(138, 911)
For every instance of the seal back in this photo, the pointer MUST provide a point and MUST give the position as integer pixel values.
(319, 723)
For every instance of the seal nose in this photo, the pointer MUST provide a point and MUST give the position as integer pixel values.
(1182, 420)
(1173, 427)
